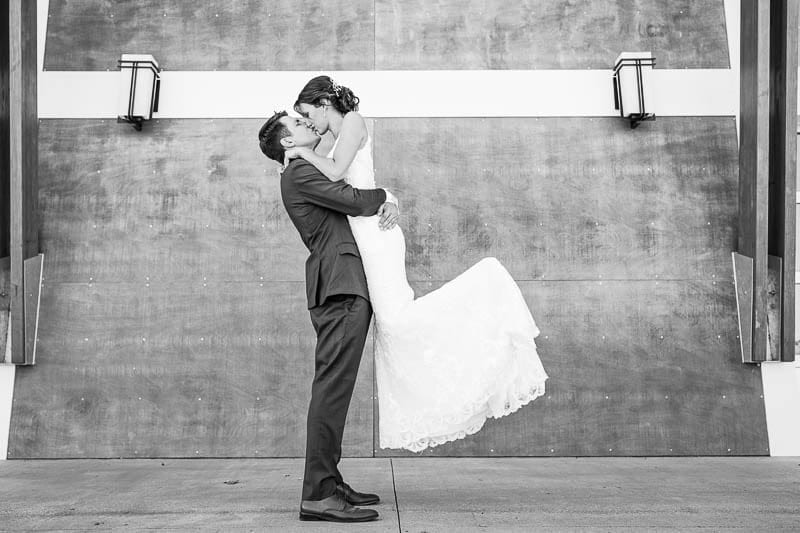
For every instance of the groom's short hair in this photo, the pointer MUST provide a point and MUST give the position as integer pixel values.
(270, 135)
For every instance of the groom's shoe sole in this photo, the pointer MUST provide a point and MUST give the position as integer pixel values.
(332, 518)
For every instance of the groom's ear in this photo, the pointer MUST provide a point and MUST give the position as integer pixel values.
(287, 142)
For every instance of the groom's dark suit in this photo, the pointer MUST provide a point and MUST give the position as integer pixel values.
(339, 305)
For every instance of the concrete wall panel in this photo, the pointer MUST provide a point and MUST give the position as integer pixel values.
(610, 232)
(564, 198)
(212, 35)
(185, 200)
(385, 35)
(174, 370)
(635, 368)
(545, 34)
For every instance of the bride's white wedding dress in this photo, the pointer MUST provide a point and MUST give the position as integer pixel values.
(446, 361)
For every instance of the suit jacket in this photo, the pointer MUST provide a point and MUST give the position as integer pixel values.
(317, 207)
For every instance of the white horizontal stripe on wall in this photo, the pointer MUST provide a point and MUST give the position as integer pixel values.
(474, 93)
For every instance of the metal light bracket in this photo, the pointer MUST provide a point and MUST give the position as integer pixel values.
(135, 65)
(637, 64)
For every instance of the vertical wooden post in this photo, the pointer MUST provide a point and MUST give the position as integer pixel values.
(783, 160)
(767, 177)
(23, 158)
(754, 159)
(5, 182)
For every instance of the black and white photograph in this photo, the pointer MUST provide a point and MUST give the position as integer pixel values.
(399, 265)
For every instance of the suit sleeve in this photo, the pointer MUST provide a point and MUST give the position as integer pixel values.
(336, 195)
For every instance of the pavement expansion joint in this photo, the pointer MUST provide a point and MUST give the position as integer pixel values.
(396, 504)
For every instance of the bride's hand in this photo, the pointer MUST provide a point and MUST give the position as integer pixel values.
(293, 153)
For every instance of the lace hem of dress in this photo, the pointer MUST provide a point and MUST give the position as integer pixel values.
(480, 411)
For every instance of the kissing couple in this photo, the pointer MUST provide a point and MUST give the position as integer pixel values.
(444, 362)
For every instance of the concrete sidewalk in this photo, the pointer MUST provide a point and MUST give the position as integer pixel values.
(418, 494)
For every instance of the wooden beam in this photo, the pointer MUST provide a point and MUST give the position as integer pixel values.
(16, 322)
(5, 182)
(5, 304)
(754, 159)
(783, 160)
(30, 130)
(23, 158)
(775, 285)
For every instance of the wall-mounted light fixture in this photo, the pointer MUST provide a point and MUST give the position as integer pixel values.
(140, 82)
(633, 86)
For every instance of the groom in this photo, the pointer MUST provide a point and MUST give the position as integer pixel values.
(338, 301)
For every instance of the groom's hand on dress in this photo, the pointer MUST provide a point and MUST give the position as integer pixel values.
(388, 213)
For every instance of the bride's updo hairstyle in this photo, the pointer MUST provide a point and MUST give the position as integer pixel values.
(323, 87)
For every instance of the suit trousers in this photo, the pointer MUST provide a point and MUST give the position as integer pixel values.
(341, 323)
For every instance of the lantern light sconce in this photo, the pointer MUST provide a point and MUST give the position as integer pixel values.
(140, 84)
(633, 88)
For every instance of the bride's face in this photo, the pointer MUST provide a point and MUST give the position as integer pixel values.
(318, 115)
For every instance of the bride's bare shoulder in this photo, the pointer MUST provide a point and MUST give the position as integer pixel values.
(354, 120)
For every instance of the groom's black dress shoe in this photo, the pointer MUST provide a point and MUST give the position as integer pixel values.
(335, 509)
(356, 498)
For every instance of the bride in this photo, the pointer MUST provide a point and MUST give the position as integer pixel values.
(448, 360)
